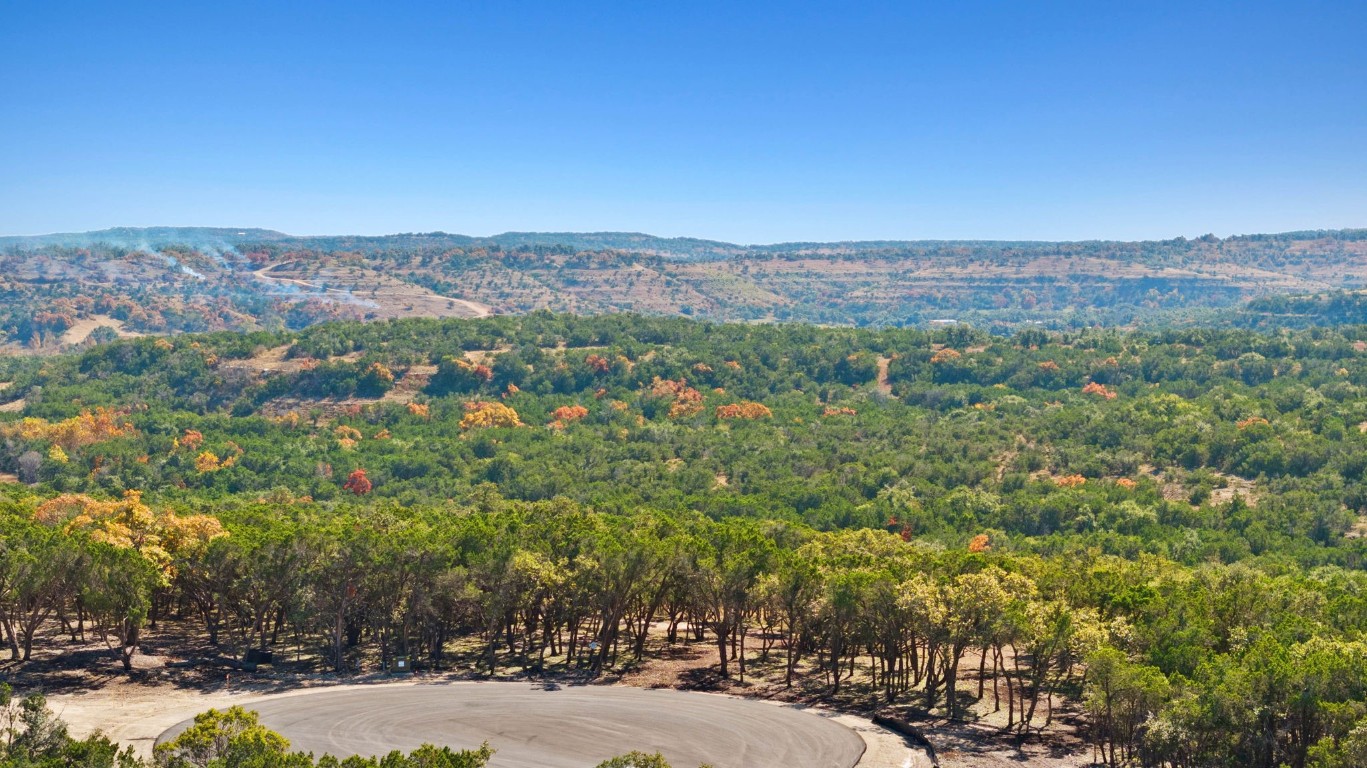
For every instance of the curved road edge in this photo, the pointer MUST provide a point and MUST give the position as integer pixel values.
(137, 717)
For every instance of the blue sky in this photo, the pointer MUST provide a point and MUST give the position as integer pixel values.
(750, 122)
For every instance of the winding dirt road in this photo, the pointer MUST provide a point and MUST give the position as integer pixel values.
(474, 308)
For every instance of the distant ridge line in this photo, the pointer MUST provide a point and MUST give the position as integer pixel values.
(232, 237)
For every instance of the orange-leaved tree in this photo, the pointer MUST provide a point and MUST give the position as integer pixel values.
(565, 414)
(744, 410)
(683, 399)
(357, 483)
(1100, 390)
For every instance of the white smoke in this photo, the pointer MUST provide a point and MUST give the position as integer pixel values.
(278, 286)
(172, 261)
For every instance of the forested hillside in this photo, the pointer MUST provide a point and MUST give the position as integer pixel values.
(60, 291)
(1161, 529)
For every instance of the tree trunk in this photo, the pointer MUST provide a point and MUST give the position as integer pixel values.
(791, 661)
(996, 671)
(28, 640)
(10, 639)
(722, 642)
(338, 635)
(740, 659)
(951, 680)
(129, 638)
(982, 671)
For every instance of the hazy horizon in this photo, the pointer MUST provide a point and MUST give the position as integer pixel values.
(681, 236)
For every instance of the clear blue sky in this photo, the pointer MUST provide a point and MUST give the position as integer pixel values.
(751, 122)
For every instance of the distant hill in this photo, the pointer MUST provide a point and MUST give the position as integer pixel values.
(621, 241)
(632, 242)
(224, 237)
(132, 237)
(58, 290)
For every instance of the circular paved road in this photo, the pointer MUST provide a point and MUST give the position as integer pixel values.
(572, 727)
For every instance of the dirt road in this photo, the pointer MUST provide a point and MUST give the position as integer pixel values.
(399, 293)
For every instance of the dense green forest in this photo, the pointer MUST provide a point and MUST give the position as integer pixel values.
(1164, 528)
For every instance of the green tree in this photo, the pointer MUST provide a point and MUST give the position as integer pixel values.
(230, 738)
(118, 594)
(31, 736)
(1121, 697)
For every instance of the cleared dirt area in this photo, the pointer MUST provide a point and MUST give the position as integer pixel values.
(14, 406)
(1175, 487)
(273, 359)
(884, 385)
(81, 330)
(1359, 529)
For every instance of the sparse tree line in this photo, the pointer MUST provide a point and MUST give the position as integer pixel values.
(1183, 667)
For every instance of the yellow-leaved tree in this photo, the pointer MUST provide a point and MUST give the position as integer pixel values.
(158, 535)
(481, 414)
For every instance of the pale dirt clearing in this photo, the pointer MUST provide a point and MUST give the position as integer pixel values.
(15, 406)
(884, 385)
(980, 745)
(81, 329)
(273, 359)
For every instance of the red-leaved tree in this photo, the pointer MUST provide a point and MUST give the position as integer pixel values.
(357, 483)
